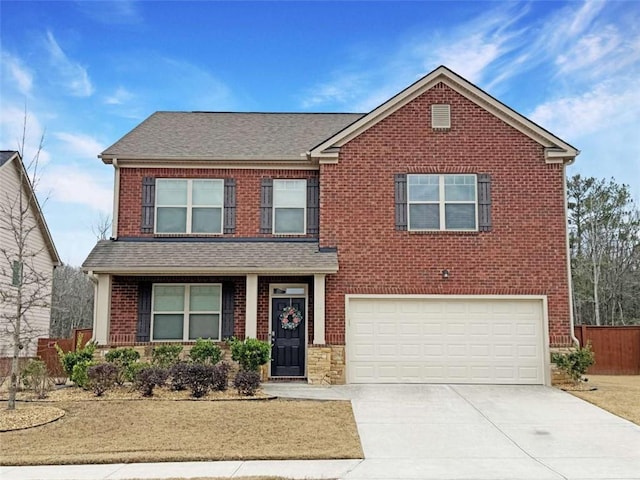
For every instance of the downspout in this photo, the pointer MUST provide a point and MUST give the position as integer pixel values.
(574, 339)
(94, 280)
(116, 199)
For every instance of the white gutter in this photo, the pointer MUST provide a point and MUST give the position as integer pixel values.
(570, 282)
(116, 198)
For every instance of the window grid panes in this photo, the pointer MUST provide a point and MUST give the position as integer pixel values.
(442, 202)
(189, 206)
(289, 207)
(186, 312)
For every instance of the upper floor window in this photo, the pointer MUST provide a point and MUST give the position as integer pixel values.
(442, 202)
(186, 311)
(289, 206)
(189, 206)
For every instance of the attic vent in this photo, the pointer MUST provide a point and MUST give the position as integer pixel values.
(441, 116)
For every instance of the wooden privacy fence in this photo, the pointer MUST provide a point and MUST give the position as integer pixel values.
(49, 355)
(616, 349)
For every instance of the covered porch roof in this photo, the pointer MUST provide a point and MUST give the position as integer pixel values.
(210, 256)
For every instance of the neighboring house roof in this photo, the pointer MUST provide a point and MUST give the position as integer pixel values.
(10, 157)
(210, 257)
(5, 156)
(556, 149)
(227, 136)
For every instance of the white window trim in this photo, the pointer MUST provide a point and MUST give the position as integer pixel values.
(441, 202)
(186, 312)
(189, 206)
(304, 209)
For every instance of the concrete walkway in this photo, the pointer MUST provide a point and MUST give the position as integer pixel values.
(468, 432)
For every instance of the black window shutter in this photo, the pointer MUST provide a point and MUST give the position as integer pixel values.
(148, 201)
(401, 201)
(229, 206)
(144, 312)
(228, 291)
(313, 206)
(266, 205)
(484, 202)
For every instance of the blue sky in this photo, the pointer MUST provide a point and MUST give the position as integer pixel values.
(88, 72)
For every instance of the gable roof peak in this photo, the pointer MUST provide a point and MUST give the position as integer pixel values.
(556, 149)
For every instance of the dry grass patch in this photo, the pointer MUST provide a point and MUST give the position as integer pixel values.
(166, 431)
(618, 394)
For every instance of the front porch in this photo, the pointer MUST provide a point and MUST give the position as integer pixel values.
(145, 305)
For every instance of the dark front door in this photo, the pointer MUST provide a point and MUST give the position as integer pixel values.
(287, 354)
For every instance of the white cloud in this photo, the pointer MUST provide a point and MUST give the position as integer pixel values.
(80, 145)
(13, 128)
(120, 12)
(340, 90)
(119, 97)
(17, 72)
(69, 184)
(71, 75)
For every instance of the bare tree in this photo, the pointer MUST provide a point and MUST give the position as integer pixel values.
(102, 226)
(71, 301)
(28, 287)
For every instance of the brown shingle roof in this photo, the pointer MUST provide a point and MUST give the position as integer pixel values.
(215, 135)
(210, 257)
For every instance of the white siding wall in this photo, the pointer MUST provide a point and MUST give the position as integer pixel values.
(37, 318)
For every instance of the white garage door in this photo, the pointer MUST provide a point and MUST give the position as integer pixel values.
(457, 340)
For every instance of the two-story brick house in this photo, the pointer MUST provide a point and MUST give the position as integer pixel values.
(424, 241)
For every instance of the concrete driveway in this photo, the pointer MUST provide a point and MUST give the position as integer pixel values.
(482, 432)
(442, 432)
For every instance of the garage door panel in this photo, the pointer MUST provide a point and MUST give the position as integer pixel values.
(445, 341)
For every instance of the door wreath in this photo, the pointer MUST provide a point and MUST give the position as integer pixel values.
(290, 318)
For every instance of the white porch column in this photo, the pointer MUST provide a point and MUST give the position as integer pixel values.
(318, 309)
(251, 320)
(102, 308)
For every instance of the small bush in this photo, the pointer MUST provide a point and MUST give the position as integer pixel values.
(220, 374)
(122, 358)
(246, 382)
(131, 371)
(81, 354)
(36, 378)
(101, 377)
(576, 363)
(199, 378)
(250, 353)
(149, 378)
(79, 375)
(166, 355)
(205, 351)
(179, 373)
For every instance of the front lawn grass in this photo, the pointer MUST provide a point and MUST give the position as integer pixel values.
(169, 431)
(618, 394)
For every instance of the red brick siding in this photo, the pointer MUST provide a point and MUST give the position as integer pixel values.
(124, 304)
(523, 254)
(248, 183)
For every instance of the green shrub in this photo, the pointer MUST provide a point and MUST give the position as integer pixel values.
(81, 354)
(35, 377)
(199, 378)
(149, 378)
(205, 351)
(246, 382)
(101, 377)
(575, 363)
(122, 358)
(179, 376)
(131, 371)
(220, 380)
(250, 353)
(165, 355)
(79, 375)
